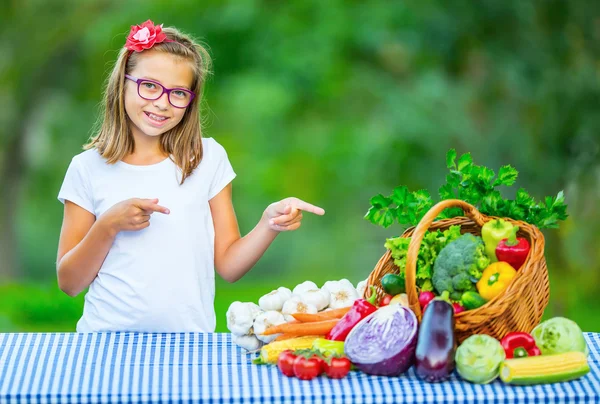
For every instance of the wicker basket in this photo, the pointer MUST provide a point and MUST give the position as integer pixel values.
(518, 308)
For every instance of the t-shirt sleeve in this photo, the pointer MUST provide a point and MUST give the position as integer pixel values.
(223, 171)
(76, 187)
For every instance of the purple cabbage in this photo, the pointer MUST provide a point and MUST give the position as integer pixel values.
(384, 342)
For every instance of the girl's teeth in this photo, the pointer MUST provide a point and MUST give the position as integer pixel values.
(157, 118)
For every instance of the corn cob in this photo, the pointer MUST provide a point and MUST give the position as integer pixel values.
(544, 369)
(270, 352)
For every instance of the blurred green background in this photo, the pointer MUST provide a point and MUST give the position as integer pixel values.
(329, 101)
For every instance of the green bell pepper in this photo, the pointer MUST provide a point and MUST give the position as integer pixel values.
(492, 233)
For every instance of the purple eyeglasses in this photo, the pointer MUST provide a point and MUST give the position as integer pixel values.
(153, 90)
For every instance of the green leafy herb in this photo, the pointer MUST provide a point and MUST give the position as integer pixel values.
(474, 184)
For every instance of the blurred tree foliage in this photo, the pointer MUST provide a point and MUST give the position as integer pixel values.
(332, 102)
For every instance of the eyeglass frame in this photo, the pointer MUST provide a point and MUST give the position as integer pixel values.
(138, 81)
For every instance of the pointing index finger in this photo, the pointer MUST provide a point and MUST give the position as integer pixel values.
(307, 207)
(153, 207)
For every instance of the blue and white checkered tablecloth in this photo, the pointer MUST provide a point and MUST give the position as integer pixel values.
(139, 367)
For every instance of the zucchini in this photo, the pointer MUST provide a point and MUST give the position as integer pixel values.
(544, 368)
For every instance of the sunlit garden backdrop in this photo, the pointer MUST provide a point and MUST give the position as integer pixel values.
(330, 101)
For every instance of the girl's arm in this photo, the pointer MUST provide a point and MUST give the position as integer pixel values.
(82, 248)
(85, 242)
(236, 255)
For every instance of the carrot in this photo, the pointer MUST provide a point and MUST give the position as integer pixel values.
(322, 316)
(314, 328)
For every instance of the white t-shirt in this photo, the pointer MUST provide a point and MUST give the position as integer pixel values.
(161, 278)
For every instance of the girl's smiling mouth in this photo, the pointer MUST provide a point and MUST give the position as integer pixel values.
(157, 120)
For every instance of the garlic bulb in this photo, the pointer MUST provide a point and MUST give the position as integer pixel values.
(360, 288)
(336, 284)
(316, 297)
(248, 342)
(266, 320)
(240, 317)
(275, 299)
(303, 287)
(296, 305)
(342, 293)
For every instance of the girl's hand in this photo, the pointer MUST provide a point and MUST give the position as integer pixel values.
(131, 214)
(286, 215)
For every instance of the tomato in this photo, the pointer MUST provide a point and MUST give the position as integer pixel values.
(338, 368)
(385, 300)
(321, 363)
(285, 362)
(307, 368)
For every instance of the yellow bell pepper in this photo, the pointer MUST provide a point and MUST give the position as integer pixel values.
(495, 279)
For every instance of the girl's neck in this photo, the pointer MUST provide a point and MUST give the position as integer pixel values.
(140, 159)
(146, 151)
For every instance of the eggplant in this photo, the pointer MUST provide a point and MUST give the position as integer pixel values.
(436, 344)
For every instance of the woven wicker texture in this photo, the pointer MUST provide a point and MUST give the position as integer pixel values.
(518, 308)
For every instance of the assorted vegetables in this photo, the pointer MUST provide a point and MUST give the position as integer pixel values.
(285, 314)
(310, 331)
(386, 339)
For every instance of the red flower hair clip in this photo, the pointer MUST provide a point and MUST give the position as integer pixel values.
(145, 36)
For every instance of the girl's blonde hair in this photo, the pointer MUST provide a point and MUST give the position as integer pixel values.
(114, 139)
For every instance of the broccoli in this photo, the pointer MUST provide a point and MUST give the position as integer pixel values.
(459, 266)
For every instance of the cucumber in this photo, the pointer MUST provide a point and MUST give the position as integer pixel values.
(544, 369)
(393, 284)
(472, 300)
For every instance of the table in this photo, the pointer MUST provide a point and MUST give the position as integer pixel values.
(142, 367)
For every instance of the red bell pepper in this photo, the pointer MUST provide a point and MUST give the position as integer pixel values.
(519, 345)
(360, 309)
(513, 249)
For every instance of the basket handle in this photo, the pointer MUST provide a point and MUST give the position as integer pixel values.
(415, 244)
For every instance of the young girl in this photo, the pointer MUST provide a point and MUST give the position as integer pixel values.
(148, 215)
